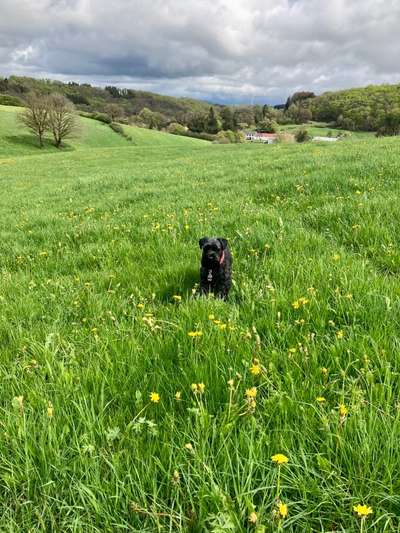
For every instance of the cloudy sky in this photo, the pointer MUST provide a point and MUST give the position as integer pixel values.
(220, 50)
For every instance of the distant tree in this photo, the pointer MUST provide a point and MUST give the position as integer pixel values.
(244, 116)
(114, 111)
(267, 126)
(227, 118)
(35, 115)
(390, 124)
(212, 125)
(149, 118)
(197, 123)
(62, 118)
(114, 91)
(258, 114)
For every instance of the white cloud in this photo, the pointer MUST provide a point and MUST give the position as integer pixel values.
(215, 49)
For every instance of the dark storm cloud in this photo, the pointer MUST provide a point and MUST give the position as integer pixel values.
(216, 49)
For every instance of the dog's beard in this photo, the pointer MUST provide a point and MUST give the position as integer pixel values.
(210, 261)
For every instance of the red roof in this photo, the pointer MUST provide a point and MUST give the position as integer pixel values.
(266, 135)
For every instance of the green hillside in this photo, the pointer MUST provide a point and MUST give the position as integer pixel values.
(129, 403)
(16, 140)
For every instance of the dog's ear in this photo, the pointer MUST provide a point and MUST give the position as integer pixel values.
(224, 243)
(203, 241)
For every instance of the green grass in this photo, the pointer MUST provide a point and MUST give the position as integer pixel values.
(94, 245)
(16, 140)
(321, 130)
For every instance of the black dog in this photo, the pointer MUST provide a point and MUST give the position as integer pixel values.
(216, 267)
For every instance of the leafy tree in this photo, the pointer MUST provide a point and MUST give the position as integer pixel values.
(114, 111)
(212, 125)
(227, 118)
(62, 118)
(35, 115)
(197, 123)
(267, 126)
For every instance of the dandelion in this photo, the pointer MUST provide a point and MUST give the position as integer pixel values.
(140, 306)
(50, 410)
(280, 459)
(251, 393)
(154, 397)
(194, 334)
(178, 396)
(282, 510)
(320, 399)
(343, 410)
(255, 370)
(177, 298)
(362, 510)
(198, 388)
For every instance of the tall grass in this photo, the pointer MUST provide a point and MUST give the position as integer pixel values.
(303, 359)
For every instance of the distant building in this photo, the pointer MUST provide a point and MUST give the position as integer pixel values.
(325, 139)
(261, 137)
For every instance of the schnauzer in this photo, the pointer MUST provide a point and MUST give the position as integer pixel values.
(216, 267)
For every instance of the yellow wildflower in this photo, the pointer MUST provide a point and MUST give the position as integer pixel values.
(211, 317)
(343, 411)
(194, 334)
(320, 399)
(154, 397)
(340, 334)
(256, 370)
(362, 510)
(177, 297)
(251, 393)
(282, 510)
(201, 387)
(140, 306)
(336, 257)
(50, 410)
(280, 459)
(178, 396)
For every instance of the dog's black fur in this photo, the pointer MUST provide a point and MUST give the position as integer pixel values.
(216, 267)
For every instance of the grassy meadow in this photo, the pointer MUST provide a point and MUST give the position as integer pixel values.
(128, 403)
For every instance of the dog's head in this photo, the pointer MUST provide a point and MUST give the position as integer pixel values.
(213, 251)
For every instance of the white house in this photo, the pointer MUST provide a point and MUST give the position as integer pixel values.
(266, 138)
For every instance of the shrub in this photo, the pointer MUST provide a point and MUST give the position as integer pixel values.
(6, 99)
(117, 128)
(176, 129)
(302, 135)
(102, 117)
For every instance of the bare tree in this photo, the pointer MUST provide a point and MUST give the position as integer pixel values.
(62, 118)
(35, 115)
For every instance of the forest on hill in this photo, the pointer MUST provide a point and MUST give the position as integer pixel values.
(372, 108)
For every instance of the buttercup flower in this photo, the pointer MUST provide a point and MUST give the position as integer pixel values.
(178, 396)
(320, 399)
(194, 334)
